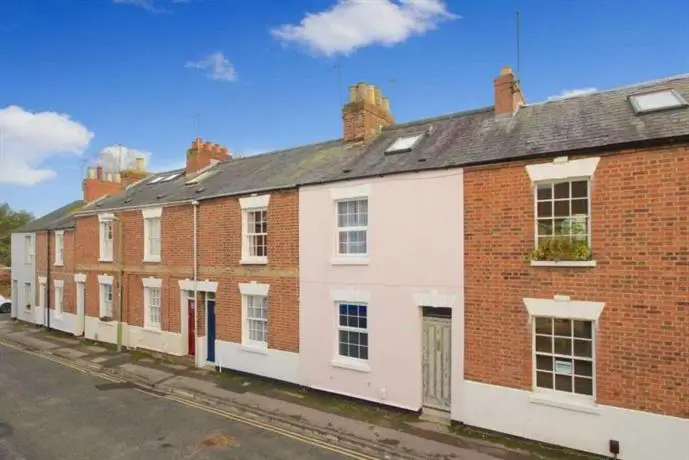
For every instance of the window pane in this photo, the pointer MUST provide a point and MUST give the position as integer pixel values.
(580, 189)
(544, 363)
(561, 190)
(580, 207)
(545, 209)
(583, 348)
(583, 386)
(544, 380)
(563, 327)
(582, 329)
(563, 346)
(563, 383)
(583, 368)
(544, 191)
(545, 227)
(544, 325)
(562, 208)
(544, 344)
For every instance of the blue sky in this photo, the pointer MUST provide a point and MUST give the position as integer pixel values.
(81, 76)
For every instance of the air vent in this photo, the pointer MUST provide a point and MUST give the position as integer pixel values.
(128, 200)
(160, 195)
(200, 189)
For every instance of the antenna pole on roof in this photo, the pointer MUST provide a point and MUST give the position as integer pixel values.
(519, 20)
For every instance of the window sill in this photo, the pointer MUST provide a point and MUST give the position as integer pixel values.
(59, 265)
(565, 402)
(351, 364)
(152, 330)
(151, 259)
(106, 260)
(258, 349)
(254, 261)
(109, 323)
(564, 263)
(343, 260)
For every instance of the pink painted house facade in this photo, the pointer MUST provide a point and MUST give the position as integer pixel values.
(381, 296)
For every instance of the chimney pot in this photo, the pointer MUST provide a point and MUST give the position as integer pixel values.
(99, 172)
(207, 146)
(352, 93)
(91, 173)
(363, 120)
(140, 164)
(117, 177)
(385, 104)
(378, 94)
(217, 148)
(371, 94)
(108, 177)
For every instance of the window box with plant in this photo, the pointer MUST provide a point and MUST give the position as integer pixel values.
(562, 225)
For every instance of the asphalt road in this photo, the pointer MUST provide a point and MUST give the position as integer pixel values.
(52, 412)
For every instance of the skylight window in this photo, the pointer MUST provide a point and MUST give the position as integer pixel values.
(170, 177)
(198, 178)
(404, 144)
(659, 100)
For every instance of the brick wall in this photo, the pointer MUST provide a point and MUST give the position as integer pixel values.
(220, 230)
(219, 243)
(64, 272)
(640, 235)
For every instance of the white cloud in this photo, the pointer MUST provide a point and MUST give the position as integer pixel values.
(119, 157)
(218, 67)
(153, 6)
(27, 139)
(352, 24)
(572, 93)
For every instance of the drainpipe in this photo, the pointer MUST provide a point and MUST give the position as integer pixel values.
(47, 280)
(120, 282)
(195, 204)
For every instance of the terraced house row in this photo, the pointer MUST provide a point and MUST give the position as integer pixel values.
(522, 268)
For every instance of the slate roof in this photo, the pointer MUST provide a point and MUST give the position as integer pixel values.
(596, 120)
(59, 219)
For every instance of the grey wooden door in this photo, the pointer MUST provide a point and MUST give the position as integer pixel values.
(437, 346)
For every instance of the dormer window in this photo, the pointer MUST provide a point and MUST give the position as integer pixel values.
(658, 100)
(404, 144)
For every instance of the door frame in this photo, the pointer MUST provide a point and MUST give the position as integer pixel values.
(80, 324)
(39, 316)
(447, 320)
(215, 326)
(187, 288)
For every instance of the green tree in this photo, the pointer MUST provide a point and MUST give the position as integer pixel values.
(9, 221)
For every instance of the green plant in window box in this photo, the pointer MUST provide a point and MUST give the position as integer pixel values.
(567, 243)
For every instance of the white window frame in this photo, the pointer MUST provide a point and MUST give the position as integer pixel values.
(103, 281)
(28, 249)
(250, 205)
(150, 216)
(42, 291)
(105, 221)
(350, 295)
(248, 290)
(28, 301)
(562, 307)
(59, 248)
(350, 193)
(562, 169)
(59, 286)
(15, 292)
(359, 330)
(153, 286)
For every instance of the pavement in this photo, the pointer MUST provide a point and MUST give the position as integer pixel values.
(66, 397)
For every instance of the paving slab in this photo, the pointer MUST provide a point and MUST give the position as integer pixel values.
(93, 349)
(66, 340)
(176, 367)
(151, 375)
(32, 342)
(100, 359)
(70, 353)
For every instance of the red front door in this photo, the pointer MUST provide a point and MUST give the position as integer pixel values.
(192, 328)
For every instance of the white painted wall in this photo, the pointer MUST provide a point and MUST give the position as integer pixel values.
(642, 435)
(275, 364)
(101, 331)
(415, 228)
(65, 322)
(23, 272)
(161, 341)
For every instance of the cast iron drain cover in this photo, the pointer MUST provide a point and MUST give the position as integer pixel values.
(115, 386)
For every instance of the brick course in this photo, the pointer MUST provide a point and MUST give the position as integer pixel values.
(640, 240)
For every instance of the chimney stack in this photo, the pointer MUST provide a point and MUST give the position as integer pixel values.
(131, 176)
(97, 185)
(202, 154)
(365, 114)
(508, 94)
(141, 164)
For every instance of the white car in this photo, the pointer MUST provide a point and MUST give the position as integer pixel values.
(5, 305)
